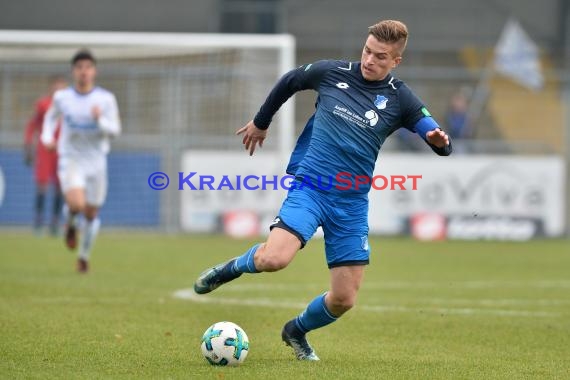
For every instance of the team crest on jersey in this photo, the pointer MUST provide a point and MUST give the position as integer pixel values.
(380, 102)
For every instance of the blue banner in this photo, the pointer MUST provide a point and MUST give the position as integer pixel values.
(130, 202)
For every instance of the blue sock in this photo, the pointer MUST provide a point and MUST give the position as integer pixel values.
(315, 316)
(245, 263)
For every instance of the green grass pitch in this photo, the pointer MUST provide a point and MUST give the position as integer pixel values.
(451, 310)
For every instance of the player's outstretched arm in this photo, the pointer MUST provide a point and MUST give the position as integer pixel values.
(252, 136)
(302, 78)
(417, 118)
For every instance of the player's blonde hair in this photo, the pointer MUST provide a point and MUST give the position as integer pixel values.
(391, 32)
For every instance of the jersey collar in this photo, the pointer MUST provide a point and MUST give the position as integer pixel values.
(83, 93)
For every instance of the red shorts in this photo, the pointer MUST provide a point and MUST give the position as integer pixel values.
(46, 166)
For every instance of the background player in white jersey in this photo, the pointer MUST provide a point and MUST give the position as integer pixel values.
(90, 117)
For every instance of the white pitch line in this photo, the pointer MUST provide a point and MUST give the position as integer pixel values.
(461, 311)
(189, 295)
(477, 284)
(498, 301)
(79, 300)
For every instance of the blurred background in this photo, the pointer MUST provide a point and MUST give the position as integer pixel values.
(187, 73)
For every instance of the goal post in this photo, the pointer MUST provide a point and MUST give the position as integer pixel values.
(176, 92)
(16, 45)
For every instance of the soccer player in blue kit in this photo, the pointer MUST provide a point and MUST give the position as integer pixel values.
(359, 105)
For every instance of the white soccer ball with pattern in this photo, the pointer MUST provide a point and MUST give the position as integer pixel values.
(225, 343)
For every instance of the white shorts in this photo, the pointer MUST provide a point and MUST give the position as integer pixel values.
(89, 175)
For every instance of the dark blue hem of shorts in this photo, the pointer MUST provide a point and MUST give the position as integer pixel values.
(284, 226)
(350, 263)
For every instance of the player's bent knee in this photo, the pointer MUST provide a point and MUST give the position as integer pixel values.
(91, 212)
(344, 304)
(75, 200)
(340, 304)
(75, 207)
(276, 253)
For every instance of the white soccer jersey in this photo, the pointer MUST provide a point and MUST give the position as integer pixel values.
(82, 136)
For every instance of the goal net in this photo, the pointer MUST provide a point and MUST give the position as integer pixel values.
(178, 94)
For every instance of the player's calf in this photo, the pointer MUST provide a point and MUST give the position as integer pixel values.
(345, 283)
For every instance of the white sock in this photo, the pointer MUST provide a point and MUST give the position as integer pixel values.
(89, 231)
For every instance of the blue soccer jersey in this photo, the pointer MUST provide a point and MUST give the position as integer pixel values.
(353, 118)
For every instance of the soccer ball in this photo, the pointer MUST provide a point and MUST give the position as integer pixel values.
(225, 343)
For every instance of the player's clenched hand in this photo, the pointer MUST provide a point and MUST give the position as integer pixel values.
(28, 155)
(50, 146)
(252, 136)
(437, 138)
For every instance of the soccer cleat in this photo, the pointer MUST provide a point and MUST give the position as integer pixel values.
(70, 237)
(82, 265)
(298, 341)
(214, 277)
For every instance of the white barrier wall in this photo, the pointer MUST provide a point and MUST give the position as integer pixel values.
(201, 209)
(475, 193)
(494, 197)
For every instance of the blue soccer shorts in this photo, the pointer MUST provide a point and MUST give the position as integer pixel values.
(344, 221)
